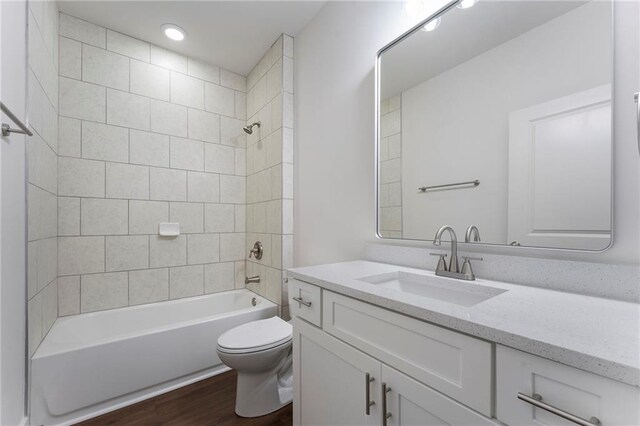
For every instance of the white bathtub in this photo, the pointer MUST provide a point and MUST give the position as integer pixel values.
(93, 363)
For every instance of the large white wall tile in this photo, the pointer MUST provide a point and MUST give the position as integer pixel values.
(231, 132)
(104, 142)
(232, 247)
(219, 277)
(148, 286)
(168, 59)
(149, 149)
(241, 105)
(70, 58)
(81, 178)
(42, 164)
(127, 110)
(105, 68)
(128, 46)
(68, 216)
(219, 218)
(186, 281)
(232, 189)
(145, 216)
(203, 71)
(82, 100)
(83, 31)
(219, 100)
(127, 181)
(203, 248)
(149, 80)
(240, 215)
(233, 80)
(127, 252)
(42, 215)
(68, 295)
(187, 90)
(203, 126)
(168, 118)
(190, 216)
(187, 154)
(203, 187)
(219, 159)
(104, 291)
(101, 216)
(80, 255)
(165, 251)
(169, 185)
(69, 137)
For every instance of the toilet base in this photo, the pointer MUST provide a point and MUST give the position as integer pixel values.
(261, 393)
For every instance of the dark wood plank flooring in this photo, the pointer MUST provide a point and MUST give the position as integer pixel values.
(208, 402)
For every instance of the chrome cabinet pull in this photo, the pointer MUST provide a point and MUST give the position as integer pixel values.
(536, 401)
(385, 414)
(368, 403)
(301, 300)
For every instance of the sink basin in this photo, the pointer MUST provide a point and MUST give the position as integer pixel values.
(463, 293)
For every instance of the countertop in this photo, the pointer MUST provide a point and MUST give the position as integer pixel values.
(598, 335)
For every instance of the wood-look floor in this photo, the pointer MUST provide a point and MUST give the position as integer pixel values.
(208, 402)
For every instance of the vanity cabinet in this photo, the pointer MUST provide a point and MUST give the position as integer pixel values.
(335, 383)
(358, 364)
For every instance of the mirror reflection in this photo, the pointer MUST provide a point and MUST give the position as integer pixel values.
(499, 116)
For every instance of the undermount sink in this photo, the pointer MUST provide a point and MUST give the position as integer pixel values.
(463, 293)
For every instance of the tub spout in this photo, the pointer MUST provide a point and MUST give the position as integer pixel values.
(254, 279)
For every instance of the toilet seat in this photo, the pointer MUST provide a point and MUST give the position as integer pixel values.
(256, 336)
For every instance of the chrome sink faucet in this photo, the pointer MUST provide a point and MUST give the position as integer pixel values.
(437, 240)
(452, 270)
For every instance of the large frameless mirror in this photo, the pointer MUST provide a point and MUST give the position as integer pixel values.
(499, 116)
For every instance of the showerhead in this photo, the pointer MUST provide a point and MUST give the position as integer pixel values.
(249, 129)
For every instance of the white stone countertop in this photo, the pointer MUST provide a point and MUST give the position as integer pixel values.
(598, 335)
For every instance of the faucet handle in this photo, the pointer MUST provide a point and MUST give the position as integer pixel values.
(442, 264)
(467, 258)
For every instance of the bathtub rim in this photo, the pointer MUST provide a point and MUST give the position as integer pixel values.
(42, 351)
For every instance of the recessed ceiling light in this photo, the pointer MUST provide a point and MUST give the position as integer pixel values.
(174, 32)
(466, 4)
(432, 24)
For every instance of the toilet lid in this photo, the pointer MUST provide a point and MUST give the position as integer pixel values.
(261, 334)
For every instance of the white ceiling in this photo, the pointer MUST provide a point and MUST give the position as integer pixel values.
(464, 34)
(231, 34)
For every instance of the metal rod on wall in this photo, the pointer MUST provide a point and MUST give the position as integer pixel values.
(6, 129)
(449, 185)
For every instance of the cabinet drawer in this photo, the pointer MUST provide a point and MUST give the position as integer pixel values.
(569, 389)
(455, 364)
(305, 301)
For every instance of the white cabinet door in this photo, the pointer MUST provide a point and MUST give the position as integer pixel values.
(330, 386)
(410, 403)
(568, 389)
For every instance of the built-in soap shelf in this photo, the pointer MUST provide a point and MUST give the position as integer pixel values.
(169, 229)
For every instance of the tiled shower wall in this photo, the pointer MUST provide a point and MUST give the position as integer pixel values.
(270, 170)
(390, 209)
(42, 187)
(146, 136)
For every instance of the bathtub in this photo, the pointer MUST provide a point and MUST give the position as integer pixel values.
(93, 363)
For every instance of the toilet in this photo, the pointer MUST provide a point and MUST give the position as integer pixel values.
(260, 351)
